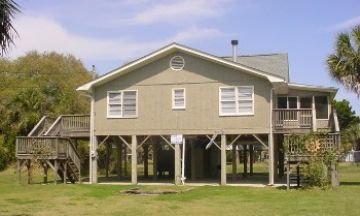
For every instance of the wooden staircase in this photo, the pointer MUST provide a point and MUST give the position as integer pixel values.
(50, 143)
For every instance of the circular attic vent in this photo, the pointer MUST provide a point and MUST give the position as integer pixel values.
(177, 63)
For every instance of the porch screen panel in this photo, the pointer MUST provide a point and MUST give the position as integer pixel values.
(321, 107)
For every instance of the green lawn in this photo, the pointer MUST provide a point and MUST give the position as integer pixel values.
(97, 200)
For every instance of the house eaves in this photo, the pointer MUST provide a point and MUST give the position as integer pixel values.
(312, 88)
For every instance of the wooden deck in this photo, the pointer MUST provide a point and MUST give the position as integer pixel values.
(50, 143)
(70, 126)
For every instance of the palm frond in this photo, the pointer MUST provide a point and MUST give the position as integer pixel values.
(8, 9)
(344, 64)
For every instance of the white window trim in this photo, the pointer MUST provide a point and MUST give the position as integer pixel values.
(173, 99)
(122, 105)
(236, 103)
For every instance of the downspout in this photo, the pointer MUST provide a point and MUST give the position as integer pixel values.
(183, 178)
(271, 141)
(92, 152)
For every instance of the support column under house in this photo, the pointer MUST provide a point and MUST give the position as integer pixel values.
(223, 159)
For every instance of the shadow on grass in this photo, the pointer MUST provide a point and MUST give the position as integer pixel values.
(349, 183)
(291, 188)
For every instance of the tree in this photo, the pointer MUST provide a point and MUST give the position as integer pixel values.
(8, 8)
(346, 115)
(34, 85)
(344, 63)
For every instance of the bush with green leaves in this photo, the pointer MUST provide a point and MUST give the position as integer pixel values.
(320, 157)
(316, 172)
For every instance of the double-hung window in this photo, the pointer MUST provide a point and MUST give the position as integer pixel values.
(122, 104)
(178, 98)
(237, 100)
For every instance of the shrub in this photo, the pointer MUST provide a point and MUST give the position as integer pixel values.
(316, 172)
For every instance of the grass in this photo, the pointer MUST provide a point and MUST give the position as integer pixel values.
(37, 199)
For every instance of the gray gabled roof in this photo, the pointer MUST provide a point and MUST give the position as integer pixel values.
(276, 63)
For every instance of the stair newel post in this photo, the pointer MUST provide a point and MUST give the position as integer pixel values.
(45, 166)
(57, 147)
(65, 171)
(18, 174)
(56, 166)
(80, 171)
(29, 171)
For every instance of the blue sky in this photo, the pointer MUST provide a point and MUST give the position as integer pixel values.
(108, 33)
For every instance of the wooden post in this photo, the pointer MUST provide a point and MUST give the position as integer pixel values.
(281, 160)
(56, 166)
(118, 161)
(288, 175)
(245, 158)
(314, 126)
(133, 160)
(93, 160)
(65, 172)
(234, 164)
(177, 164)
(125, 161)
(45, 166)
(334, 175)
(298, 175)
(251, 150)
(271, 158)
(223, 159)
(80, 173)
(155, 160)
(28, 165)
(107, 159)
(193, 161)
(19, 166)
(146, 155)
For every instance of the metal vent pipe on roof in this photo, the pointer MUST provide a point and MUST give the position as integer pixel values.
(234, 44)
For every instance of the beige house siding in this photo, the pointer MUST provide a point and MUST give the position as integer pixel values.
(201, 79)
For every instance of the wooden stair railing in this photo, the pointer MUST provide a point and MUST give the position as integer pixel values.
(42, 126)
(70, 125)
(51, 149)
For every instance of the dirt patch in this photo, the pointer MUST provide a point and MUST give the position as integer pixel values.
(138, 191)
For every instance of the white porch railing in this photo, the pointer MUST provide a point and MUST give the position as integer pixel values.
(292, 118)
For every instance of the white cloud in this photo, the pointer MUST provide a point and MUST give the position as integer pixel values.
(345, 24)
(196, 33)
(177, 12)
(42, 34)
